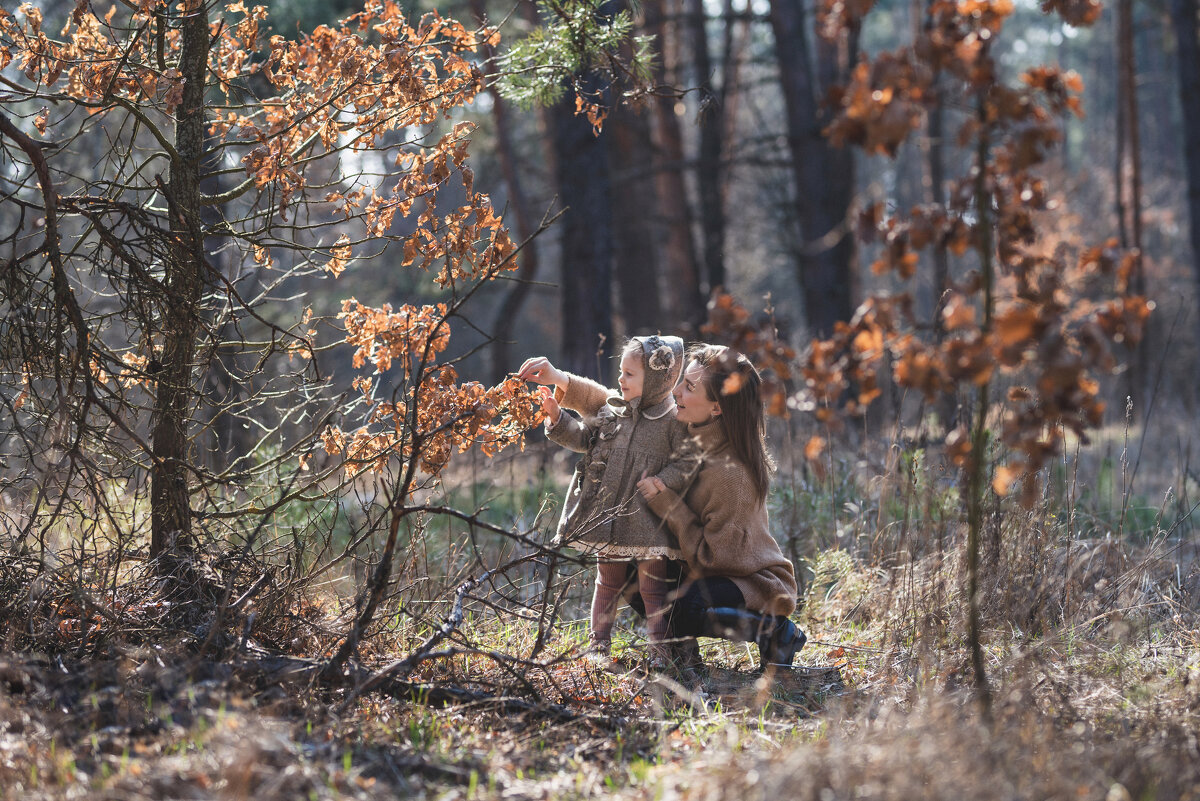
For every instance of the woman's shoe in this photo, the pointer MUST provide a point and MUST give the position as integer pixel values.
(778, 644)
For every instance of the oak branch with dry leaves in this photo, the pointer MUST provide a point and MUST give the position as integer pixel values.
(1042, 323)
(177, 181)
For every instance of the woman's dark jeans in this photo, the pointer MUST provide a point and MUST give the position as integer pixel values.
(715, 607)
(689, 612)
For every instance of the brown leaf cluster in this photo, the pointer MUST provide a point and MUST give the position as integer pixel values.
(441, 417)
(413, 335)
(730, 323)
(843, 371)
(96, 67)
(1049, 322)
(344, 86)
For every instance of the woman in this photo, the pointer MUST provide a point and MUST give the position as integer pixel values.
(738, 584)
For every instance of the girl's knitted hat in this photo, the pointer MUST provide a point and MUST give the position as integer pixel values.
(662, 358)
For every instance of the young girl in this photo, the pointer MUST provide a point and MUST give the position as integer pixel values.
(738, 585)
(625, 435)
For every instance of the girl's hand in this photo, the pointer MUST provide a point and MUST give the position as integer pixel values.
(540, 371)
(649, 487)
(550, 406)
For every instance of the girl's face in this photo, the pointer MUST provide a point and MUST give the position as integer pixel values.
(691, 399)
(632, 375)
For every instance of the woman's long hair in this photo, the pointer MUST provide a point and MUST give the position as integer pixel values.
(731, 380)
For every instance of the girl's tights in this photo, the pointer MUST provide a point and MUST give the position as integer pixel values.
(652, 585)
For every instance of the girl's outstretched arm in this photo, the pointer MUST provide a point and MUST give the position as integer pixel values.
(574, 392)
(539, 370)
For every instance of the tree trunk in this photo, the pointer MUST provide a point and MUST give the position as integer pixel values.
(684, 303)
(583, 188)
(634, 208)
(1122, 123)
(977, 466)
(1129, 169)
(935, 156)
(823, 175)
(709, 171)
(1187, 38)
(170, 510)
(510, 307)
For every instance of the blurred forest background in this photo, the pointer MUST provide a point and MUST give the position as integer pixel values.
(715, 171)
(719, 176)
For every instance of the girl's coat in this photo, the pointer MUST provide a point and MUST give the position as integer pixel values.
(621, 442)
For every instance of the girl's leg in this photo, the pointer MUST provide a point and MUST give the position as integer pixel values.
(653, 585)
(610, 578)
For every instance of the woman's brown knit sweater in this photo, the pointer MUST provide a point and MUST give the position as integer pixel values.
(723, 531)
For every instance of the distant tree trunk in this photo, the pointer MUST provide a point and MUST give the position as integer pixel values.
(1122, 125)
(1156, 94)
(734, 39)
(684, 304)
(1129, 169)
(935, 159)
(224, 388)
(823, 175)
(583, 187)
(509, 310)
(709, 170)
(170, 509)
(634, 208)
(935, 131)
(1187, 38)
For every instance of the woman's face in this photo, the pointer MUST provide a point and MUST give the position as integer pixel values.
(694, 405)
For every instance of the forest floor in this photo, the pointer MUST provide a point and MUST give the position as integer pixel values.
(1107, 708)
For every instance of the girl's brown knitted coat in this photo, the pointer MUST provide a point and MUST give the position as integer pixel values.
(603, 512)
(723, 530)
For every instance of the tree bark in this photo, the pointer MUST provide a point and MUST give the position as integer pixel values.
(1129, 168)
(823, 175)
(510, 307)
(170, 509)
(634, 208)
(1187, 38)
(583, 188)
(1122, 124)
(709, 170)
(684, 304)
(935, 156)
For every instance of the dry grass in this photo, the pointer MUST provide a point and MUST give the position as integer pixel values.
(1102, 704)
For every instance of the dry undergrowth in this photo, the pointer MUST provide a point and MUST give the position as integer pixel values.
(1091, 646)
(1098, 697)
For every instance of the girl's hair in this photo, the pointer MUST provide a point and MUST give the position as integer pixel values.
(731, 380)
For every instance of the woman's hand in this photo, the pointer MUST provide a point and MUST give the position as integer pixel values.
(649, 487)
(540, 371)
(549, 405)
